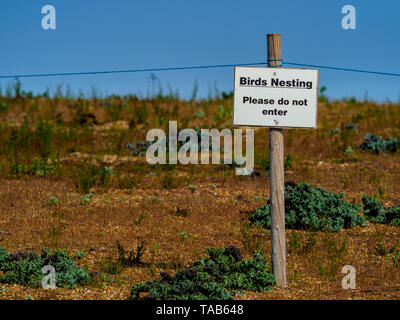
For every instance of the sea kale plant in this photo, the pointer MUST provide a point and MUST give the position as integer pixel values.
(215, 277)
(377, 144)
(374, 211)
(312, 208)
(25, 268)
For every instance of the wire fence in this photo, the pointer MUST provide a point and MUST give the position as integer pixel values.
(36, 75)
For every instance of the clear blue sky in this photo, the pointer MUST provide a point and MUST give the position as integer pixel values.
(96, 35)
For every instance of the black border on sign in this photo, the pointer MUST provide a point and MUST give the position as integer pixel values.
(278, 127)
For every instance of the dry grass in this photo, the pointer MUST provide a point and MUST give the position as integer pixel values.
(143, 202)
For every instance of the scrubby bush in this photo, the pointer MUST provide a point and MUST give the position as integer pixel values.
(28, 140)
(38, 167)
(132, 257)
(25, 268)
(374, 211)
(312, 208)
(214, 277)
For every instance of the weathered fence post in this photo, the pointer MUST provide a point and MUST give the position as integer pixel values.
(276, 154)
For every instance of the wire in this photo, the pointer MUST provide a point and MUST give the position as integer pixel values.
(35, 75)
(342, 69)
(127, 71)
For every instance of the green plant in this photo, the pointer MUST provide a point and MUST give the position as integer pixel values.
(335, 251)
(396, 258)
(100, 278)
(81, 114)
(288, 162)
(183, 236)
(154, 250)
(322, 97)
(382, 192)
(333, 131)
(310, 243)
(80, 255)
(52, 201)
(143, 216)
(294, 242)
(297, 245)
(200, 113)
(246, 234)
(377, 144)
(265, 161)
(391, 253)
(153, 270)
(3, 106)
(141, 112)
(86, 198)
(375, 212)
(312, 208)
(250, 239)
(227, 95)
(87, 178)
(168, 180)
(44, 136)
(105, 173)
(28, 141)
(260, 198)
(114, 266)
(153, 199)
(111, 266)
(56, 232)
(222, 114)
(126, 181)
(38, 167)
(25, 268)
(382, 250)
(349, 150)
(346, 133)
(211, 278)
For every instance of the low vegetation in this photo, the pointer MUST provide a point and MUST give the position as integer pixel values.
(25, 268)
(374, 211)
(215, 277)
(312, 208)
(74, 177)
(378, 145)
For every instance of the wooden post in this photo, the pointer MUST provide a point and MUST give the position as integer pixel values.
(276, 174)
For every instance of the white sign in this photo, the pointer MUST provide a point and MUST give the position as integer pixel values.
(275, 97)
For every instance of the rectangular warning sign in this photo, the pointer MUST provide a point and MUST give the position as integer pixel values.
(275, 97)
